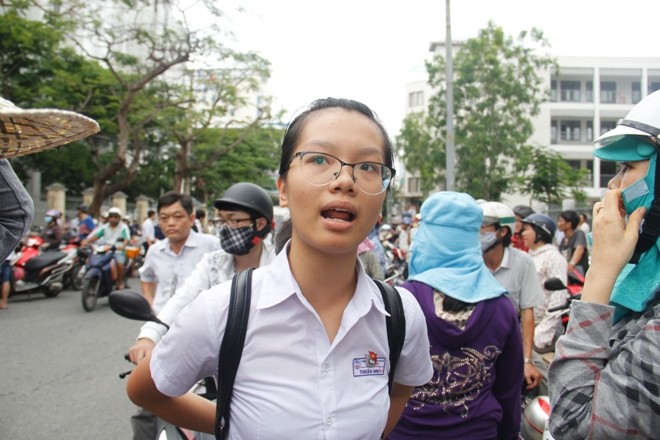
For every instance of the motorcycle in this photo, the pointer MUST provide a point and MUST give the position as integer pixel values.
(74, 278)
(536, 412)
(35, 271)
(132, 305)
(31, 248)
(100, 276)
(397, 267)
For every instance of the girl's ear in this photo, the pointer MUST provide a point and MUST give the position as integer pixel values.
(281, 188)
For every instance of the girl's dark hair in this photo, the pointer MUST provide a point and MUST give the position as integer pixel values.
(292, 134)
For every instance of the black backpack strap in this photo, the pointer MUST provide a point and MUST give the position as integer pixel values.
(231, 348)
(396, 325)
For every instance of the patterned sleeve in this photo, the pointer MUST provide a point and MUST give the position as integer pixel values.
(604, 384)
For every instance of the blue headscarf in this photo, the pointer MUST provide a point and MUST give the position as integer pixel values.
(446, 253)
(637, 284)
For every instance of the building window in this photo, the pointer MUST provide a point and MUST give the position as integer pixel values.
(553, 131)
(570, 131)
(636, 92)
(415, 99)
(570, 91)
(414, 184)
(607, 171)
(553, 91)
(589, 93)
(590, 131)
(608, 92)
(606, 126)
(654, 87)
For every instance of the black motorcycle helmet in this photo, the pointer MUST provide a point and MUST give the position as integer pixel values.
(248, 197)
(543, 225)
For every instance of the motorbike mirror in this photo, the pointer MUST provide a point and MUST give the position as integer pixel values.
(132, 305)
(554, 284)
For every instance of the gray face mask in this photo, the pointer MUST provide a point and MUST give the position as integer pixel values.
(487, 240)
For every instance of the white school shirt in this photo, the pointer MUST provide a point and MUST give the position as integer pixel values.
(292, 382)
(214, 268)
(170, 270)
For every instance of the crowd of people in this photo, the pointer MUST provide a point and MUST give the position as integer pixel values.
(316, 356)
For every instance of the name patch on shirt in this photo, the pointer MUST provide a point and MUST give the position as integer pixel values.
(368, 367)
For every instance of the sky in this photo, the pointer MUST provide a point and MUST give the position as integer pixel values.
(369, 49)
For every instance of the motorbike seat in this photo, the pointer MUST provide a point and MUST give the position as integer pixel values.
(43, 260)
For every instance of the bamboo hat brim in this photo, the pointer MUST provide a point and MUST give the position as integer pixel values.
(30, 131)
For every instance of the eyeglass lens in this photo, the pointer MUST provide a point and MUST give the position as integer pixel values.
(322, 168)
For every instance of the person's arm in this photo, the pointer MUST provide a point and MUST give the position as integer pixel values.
(398, 398)
(149, 291)
(614, 243)
(16, 210)
(532, 374)
(93, 236)
(578, 252)
(591, 394)
(151, 333)
(190, 410)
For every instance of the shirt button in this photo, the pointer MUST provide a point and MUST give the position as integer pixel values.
(329, 420)
(326, 366)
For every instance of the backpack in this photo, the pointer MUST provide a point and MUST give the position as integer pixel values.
(231, 347)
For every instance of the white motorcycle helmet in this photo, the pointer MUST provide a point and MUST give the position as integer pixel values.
(642, 120)
(496, 212)
(635, 138)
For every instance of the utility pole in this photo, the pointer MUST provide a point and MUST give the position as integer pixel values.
(450, 148)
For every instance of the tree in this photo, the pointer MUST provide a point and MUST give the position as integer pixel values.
(497, 89)
(254, 154)
(213, 96)
(422, 151)
(37, 72)
(545, 176)
(140, 47)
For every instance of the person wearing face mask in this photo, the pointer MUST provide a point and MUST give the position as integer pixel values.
(515, 270)
(604, 378)
(245, 217)
(316, 361)
(167, 265)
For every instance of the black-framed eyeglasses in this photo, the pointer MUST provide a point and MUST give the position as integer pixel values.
(322, 168)
(232, 222)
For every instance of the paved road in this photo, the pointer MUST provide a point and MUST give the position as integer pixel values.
(59, 370)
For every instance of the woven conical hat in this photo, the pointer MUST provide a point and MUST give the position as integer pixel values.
(33, 130)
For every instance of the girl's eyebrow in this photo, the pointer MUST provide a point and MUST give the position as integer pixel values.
(334, 148)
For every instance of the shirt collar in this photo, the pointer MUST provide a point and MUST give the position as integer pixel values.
(278, 273)
(506, 259)
(194, 240)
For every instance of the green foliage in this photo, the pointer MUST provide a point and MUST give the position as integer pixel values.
(497, 89)
(545, 176)
(255, 159)
(26, 47)
(422, 152)
(146, 118)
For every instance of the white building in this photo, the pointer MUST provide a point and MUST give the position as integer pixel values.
(587, 98)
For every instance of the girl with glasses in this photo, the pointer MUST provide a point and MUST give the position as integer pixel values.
(315, 360)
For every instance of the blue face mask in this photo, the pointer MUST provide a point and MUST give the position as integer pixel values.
(641, 193)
